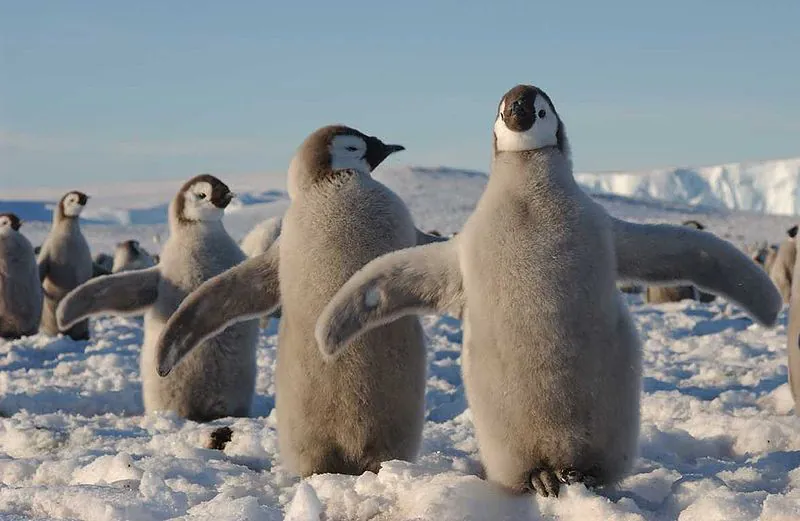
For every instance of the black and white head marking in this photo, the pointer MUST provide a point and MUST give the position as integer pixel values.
(202, 198)
(72, 204)
(9, 221)
(333, 149)
(527, 120)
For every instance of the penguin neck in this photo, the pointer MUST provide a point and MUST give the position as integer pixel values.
(534, 173)
(69, 224)
(196, 229)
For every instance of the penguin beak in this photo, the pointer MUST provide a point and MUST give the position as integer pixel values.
(223, 201)
(378, 151)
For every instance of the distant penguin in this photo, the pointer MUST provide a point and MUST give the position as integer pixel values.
(20, 289)
(786, 253)
(218, 378)
(103, 263)
(783, 266)
(129, 255)
(551, 359)
(662, 294)
(369, 406)
(65, 263)
(260, 238)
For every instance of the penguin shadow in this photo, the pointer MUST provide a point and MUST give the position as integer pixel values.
(713, 326)
(764, 386)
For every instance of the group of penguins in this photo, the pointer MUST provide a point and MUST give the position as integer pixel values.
(551, 359)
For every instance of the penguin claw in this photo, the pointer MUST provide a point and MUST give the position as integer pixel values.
(544, 482)
(570, 476)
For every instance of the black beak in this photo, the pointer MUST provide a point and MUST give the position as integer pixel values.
(378, 151)
(222, 199)
(83, 199)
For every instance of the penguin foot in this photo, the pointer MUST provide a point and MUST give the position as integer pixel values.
(571, 475)
(544, 482)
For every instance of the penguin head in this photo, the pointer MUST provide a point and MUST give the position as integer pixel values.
(792, 232)
(9, 221)
(527, 120)
(694, 224)
(202, 198)
(333, 149)
(132, 246)
(72, 203)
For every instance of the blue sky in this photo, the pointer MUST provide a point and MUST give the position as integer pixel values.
(104, 91)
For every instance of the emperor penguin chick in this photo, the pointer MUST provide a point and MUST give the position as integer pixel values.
(260, 238)
(129, 255)
(367, 407)
(65, 263)
(782, 269)
(218, 378)
(551, 359)
(20, 289)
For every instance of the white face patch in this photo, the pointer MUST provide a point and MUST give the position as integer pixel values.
(72, 205)
(348, 153)
(5, 225)
(197, 203)
(541, 134)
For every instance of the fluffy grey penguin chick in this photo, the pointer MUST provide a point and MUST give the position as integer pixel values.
(786, 253)
(260, 238)
(218, 378)
(551, 358)
(129, 255)
(367, 407)
(782, 267)
(20, 289)
(65, 263)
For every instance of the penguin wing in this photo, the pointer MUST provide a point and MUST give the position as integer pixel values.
(247, 291)
(426, 238)
(660, 253)
(126, 293)
(414, 280)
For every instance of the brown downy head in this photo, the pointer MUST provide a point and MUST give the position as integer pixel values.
(9, 220)
(201, 198)
(71, 204)
(527, 120)
(332, 149)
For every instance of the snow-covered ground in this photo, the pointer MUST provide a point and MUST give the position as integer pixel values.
(719, 440)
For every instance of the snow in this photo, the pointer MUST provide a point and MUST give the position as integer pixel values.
(719, 437)
(761, 186)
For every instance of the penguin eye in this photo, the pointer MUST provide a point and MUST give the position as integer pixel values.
(201, 195)
(542, 113)
(351, 149)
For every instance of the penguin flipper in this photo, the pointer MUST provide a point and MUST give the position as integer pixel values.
(126, 293)
(414, 280)
(247, 291)
(660, 254)
(427, 238)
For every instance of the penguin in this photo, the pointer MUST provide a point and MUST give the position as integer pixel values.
(662, 294)
(257, 241)
(783, 266)
(129, 255)
(369, 406)
(551, 360)
(65, 263)
(218, 378)
(103, 263)
(260, 238)
(20, 289)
